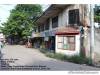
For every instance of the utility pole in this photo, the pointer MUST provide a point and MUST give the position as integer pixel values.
(91, 33)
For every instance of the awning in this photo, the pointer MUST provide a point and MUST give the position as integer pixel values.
(67, 31)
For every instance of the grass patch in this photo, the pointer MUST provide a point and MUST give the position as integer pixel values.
(43, 50)
(76, 58)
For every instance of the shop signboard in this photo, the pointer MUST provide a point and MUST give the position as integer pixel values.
(42, 34)
(46, 39)
(35, 34)
(47, 33)
(50, 33)
(53, 32)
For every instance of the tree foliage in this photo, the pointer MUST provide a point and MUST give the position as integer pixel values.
(97, 15)
(21, 20)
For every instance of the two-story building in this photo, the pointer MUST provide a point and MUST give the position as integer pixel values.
(63, 28)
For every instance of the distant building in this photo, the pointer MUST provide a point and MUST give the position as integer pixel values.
(2, 37)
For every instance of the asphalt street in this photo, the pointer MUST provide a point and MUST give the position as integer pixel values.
(32, 59)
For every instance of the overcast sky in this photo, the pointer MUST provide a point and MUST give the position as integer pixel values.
(5, 11)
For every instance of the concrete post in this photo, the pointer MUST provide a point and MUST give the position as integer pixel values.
(91, 33)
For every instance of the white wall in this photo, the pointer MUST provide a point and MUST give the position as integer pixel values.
(69, 52)
(63, 17)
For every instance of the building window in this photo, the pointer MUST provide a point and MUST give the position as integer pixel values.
(60, 42)
(42, 27)
(38, 28)
(74, 16)
(66, 42)
(55, 22)
(47, 25)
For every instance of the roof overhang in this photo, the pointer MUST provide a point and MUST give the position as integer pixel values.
(67, 31)
(52, 11)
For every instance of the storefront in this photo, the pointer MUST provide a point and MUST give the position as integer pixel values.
(68, 41)
(49, 40)
(50, 43)
(36, 40)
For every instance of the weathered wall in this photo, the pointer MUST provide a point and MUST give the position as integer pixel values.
(63, 17)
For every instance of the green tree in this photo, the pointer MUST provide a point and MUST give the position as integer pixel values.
(97, 14)
(21, 20)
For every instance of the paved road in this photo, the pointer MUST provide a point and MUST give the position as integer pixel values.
(22, 56)
(97, 46)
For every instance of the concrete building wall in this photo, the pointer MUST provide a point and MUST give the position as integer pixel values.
(63, 17)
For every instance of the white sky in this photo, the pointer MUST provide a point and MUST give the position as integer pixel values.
(5, 11)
